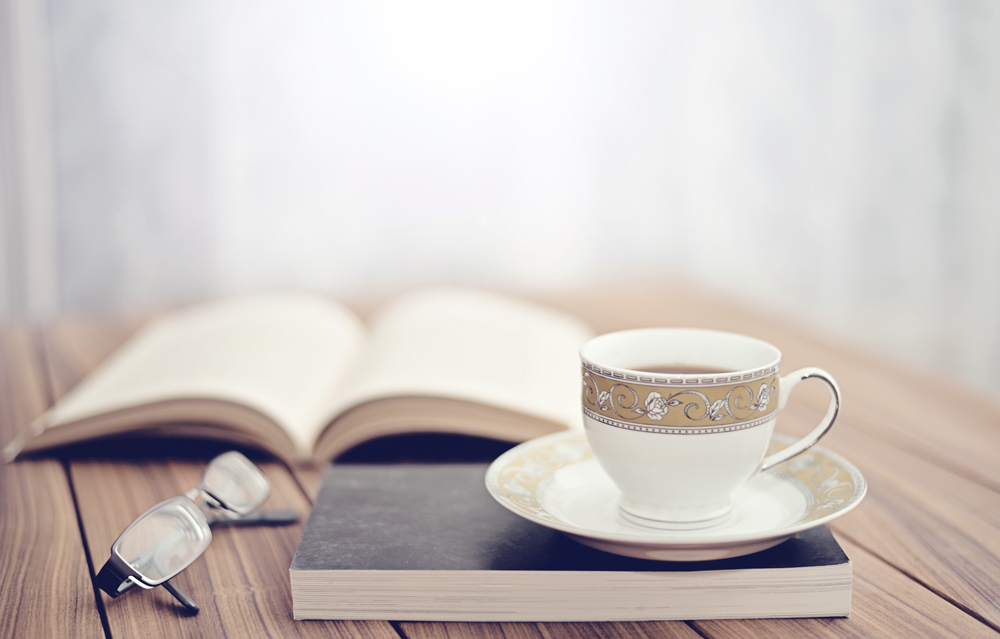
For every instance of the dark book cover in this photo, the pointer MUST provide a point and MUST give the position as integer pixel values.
(440, 517)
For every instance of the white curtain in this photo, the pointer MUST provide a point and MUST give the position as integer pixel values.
(835, 161)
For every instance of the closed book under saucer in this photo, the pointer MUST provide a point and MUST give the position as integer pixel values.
(427, 542)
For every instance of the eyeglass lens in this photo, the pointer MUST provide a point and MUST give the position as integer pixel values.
(235, 481)
(165, 541)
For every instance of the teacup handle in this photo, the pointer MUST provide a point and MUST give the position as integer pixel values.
(785, 386)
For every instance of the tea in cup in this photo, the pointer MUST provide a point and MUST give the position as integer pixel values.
(679, 418)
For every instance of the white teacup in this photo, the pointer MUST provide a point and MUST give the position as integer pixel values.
(677, 444)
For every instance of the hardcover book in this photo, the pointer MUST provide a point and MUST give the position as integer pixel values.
(302, 376)
(427, 542)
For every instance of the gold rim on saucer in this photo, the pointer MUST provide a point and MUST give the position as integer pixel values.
(824, 486)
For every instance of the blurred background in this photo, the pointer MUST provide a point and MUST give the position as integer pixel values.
(833, 162)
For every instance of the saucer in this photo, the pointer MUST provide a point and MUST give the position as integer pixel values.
(556, 482)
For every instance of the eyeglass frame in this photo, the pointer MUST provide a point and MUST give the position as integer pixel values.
(117, 577)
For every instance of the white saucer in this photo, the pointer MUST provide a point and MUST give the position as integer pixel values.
(555, 481)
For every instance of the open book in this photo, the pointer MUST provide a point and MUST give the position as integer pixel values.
(303, 377)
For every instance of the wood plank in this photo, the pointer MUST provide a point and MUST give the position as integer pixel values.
(45, 586)
(456, 630)
(610, 630)
(241, 582)
(886, 603)
(618, 630)
(940, 528)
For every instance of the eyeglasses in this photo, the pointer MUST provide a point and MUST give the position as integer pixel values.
(168, 537)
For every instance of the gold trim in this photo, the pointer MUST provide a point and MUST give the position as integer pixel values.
(826, 484)
(671, 430)
(517, 481)
(693, 405)
(674, 381)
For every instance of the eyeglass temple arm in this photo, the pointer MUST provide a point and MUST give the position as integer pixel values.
(110, 582)
(276, 517)
(179, 595)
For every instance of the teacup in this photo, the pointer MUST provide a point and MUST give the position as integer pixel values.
(678, 444)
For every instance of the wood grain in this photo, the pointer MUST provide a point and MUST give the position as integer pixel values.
(619, 630)
(45, 587)
(940, 528)
(241, 582)
(456, 630)
(885, 604)
(610, 630)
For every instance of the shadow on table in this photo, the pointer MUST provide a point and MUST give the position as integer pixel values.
(409, 448)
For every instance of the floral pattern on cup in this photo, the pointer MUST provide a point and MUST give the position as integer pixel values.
(657, 405)
(633, 402)
(763, 395)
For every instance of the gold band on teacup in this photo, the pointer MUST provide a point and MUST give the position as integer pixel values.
(682, 405)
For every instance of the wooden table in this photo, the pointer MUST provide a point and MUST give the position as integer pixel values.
(925, 543)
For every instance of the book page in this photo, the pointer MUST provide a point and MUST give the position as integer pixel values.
(281, 355)
(475, 346)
